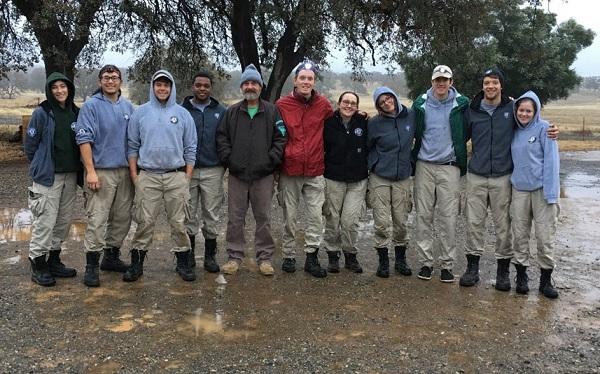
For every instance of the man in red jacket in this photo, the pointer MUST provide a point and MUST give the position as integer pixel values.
(304, 112)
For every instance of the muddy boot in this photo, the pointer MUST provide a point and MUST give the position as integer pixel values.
(185, 271)
(193, 251)
(471, 275)
(400, 265)
(91, 278)
(136, 269)
(503, 275)
(351, 263)
(289, 265)
(383, 270)
(40, 273)
(334, 262)
(210, 251)
(312, 266)
(522, 279)
(57, 268)
(111, 260)
(546, 287)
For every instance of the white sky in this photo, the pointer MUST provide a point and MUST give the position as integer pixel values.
(585, 12)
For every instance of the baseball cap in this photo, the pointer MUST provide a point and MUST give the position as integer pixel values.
(306, 65)
(441, 71)
(161, 75)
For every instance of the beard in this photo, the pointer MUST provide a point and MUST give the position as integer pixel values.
(250, 95)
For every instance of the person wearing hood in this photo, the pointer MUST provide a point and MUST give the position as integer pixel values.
(304, 112)
(250, 141)
(535, 191)
(161, 139)
(101, 133)
(55, 163)
(390, 139)
(440, 154)
(206, 185)
(345, 144)
(490, 126)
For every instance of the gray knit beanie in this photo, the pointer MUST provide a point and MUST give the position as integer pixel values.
(251, 74)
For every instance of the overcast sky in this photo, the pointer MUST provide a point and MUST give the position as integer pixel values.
(585, 12)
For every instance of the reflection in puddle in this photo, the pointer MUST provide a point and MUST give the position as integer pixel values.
(15, 226)
(12, 260)
(580, 185)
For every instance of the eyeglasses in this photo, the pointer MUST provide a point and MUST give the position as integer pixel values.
(114, 78)
(349, 103)
(384, 99)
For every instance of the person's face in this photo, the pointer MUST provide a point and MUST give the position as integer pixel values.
(441, 86)
(201, 88)
(162, 90)
(348, 105)
(110, 83)
(60, 91)
(251, 90)
(304, 82)
(491, 88)
(387, 103)
(525, 111)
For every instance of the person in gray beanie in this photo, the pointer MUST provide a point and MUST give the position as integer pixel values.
(251, 74)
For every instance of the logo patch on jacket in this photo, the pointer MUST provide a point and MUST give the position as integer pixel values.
(358, 131)
(126, 117)
(174, 120)
(81, 132)
(31, 132)
(73, 126)
(407, 127)
(281, 127)
(532, 139)
(506, 115)
(217, 115)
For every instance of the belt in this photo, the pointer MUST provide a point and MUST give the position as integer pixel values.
(166, 171)
(449, 163)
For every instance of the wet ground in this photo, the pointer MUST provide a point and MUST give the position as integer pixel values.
(293, 322)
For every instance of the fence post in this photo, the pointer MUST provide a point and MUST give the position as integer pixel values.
(24, 122)
(583, 126)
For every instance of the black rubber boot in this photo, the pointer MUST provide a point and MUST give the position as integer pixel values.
(91, 278)
(193, 250)
(522, 279)
(185, 271)
(289, 265)
(471, 275)
(111, 261)
(57, 268)
(383, 270)
(351, 263)
(136, 269)
(546, 287)
(312, 266)
(333, 265)
(210, 251)
(503, 275)
(400, 265)
(40, 273)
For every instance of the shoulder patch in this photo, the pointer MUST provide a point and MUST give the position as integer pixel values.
(31, 132)
(281, 127)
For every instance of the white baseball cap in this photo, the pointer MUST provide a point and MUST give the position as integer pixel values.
(441, 71)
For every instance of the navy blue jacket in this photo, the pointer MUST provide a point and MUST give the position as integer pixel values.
(206, 127)
(345, 149)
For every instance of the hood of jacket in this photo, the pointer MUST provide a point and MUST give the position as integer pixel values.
(59, 77)
(400, 109)
(172, 100)
(536, 116)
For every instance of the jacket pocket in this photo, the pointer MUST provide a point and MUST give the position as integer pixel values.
(36, 202)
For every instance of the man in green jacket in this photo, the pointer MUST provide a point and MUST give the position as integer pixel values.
(440, 153)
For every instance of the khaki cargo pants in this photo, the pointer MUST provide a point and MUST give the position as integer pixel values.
(206, 199)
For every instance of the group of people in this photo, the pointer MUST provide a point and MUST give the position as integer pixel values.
(130, 161)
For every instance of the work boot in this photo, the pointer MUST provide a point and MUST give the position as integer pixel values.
(351, 263)
(400, 265)
(334, 261)
(546, 287)
(312, 266)
(57, 268)
(91, 278)
(503, 275)
(522, 279)
(383, 270)
(193, 251)
(289, 265)
(40, 273)
(136, 269)
(183, 268)
(471, 275)
(210, 251)
(111, 260)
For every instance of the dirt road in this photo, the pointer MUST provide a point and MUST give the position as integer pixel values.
(295, 323)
